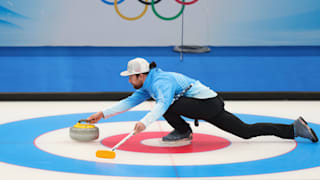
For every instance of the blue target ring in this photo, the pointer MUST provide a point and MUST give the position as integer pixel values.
(17, 139)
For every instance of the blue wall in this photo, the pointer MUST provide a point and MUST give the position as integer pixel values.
(96, 69)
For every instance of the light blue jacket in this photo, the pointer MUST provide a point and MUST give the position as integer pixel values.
(162, 87)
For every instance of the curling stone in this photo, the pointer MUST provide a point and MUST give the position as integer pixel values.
(84, 132)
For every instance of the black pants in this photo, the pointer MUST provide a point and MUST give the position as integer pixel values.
(212, 110)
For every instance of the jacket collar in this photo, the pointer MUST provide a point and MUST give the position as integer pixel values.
(148, 81)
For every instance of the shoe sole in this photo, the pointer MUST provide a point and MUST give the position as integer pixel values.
(305, 122)
(315, 138)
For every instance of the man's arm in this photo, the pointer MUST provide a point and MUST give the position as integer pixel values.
(122, 106)
(164, 93)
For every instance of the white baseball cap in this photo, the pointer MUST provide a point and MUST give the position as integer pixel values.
(136, 66)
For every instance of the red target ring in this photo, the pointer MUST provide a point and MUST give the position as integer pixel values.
(200, 143)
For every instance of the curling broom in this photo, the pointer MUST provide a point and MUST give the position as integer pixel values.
(112, 154)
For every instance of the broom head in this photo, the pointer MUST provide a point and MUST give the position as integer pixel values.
(106, 154)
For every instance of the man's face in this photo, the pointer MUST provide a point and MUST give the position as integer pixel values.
(136, 81)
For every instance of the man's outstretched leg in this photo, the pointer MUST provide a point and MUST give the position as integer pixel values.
(232, 124)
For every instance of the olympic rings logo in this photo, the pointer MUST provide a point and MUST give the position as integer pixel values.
(146, 4)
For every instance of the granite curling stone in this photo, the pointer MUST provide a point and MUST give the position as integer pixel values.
(84, 132)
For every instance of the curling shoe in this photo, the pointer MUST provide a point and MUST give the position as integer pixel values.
(175, 136)
(301, 129)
